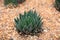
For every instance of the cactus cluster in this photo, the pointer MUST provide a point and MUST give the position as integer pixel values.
(57, 5)
(30, 23)
(13, 2)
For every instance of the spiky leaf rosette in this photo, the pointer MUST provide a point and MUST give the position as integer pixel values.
(57, 5)
(13, 2)
(29, 23)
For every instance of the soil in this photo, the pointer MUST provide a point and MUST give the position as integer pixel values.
(45, 8)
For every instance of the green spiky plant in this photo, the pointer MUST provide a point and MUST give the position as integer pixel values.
(13, 2)
(57, 5)
(29, 23)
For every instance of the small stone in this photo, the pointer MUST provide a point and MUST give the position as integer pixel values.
(11, 39)
(59, 20)
(39, 39)
(45, 30)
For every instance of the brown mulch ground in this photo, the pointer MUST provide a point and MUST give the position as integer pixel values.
(45, 8)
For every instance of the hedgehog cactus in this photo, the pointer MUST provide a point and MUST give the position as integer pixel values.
(29, 23)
